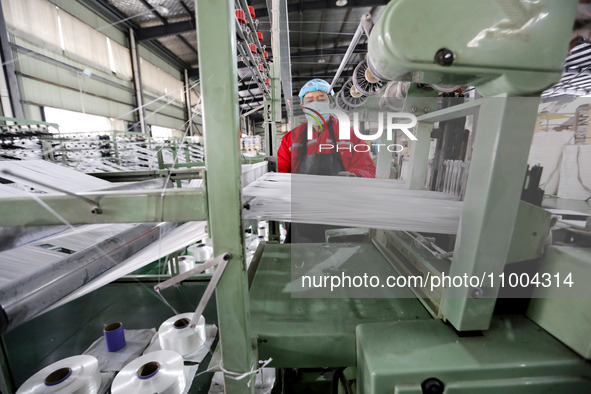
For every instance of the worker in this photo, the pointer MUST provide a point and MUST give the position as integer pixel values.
(297, 154)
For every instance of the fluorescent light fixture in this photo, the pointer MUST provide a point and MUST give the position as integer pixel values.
(162, 10)
(341, 3)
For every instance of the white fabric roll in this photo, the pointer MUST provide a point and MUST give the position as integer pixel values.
(72, 375)
(175, 334)
(157, 372)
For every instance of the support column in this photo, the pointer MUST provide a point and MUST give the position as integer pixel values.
(275, 120)
(16, 107)
(419, 157)
(270, 128)
(281, 67)
(384, 157)
(216, 37)
(137, 82)
(275, 105)
(188, 103)
(505, 128)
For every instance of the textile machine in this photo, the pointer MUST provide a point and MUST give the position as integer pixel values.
(434, 337)
(478, 337)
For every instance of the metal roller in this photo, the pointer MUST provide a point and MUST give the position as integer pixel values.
(12, 237)
(365, 81)
(354, 92)
(394, 96)
(509, 48)
(445, 88)
(348, 98)
(26, 298)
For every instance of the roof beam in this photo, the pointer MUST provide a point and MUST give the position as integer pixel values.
(250, 99)
(165, 23)
(335, 51)
(194, 72)
(154, 32)
(323, 5)
(170, 29)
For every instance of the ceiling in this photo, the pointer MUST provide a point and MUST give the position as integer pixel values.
(319, 33)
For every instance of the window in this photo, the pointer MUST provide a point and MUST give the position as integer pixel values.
(111, 57)
(77, 122)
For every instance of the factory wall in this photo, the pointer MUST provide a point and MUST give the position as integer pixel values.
(66, 56)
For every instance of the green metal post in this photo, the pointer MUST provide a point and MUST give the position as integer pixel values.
(275, 79)
(137, 82)
(419, 157)
(275, 105)
(418, 102)
(116, 149)
(216, 37)
(384, 162)
(490, 207)
(267, 125)
(117, 206)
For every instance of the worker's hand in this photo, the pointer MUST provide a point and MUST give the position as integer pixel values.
(345, 173)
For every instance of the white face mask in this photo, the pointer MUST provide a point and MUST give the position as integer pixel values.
(321, 107)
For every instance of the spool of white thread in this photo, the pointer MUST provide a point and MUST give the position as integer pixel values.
(157, 372)
(186, 263)
(72, 375)
(201, 252)
(175, 334)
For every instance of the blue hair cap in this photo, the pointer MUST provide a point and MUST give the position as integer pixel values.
(314, 85)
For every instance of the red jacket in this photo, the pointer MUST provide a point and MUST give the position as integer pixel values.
(354, 151)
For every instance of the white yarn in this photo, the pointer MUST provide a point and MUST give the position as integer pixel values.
(175, 334)
(83, 377)
(351, 202)
(240, 376)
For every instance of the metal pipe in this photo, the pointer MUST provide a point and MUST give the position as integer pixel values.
(350, 49)
(28, 297)
(285, 53)
(137, 81)
(213, 282)
(150, 184)
(95, 207)
(255, 109)
(216, 38)
(15, 236)
(188, 103)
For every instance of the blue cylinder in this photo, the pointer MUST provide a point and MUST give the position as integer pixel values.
(114, 336)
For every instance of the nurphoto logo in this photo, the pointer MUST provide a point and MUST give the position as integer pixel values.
(390, 121)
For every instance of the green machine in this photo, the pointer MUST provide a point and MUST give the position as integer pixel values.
(448, 339)
(407, 340)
